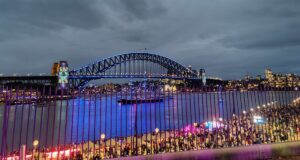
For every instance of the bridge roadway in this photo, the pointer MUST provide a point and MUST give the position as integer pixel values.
(287, 150)
(29, 79)
(91, 77)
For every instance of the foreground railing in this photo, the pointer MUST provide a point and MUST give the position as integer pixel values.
(47, 123)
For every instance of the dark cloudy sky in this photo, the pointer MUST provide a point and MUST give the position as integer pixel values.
(228, 38)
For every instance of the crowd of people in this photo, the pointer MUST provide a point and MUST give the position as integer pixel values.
(269, 123)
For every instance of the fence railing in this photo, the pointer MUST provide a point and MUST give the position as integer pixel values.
(114, 122)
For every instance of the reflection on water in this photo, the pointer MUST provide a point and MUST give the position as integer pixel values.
(85, 118)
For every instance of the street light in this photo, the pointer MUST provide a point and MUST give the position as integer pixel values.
(156, 130)
(102, 136)
(35, 144)
(195, 124)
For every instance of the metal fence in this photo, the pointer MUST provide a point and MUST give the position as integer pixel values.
(111, 122)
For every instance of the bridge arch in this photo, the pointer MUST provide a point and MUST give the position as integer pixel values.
(174, 68)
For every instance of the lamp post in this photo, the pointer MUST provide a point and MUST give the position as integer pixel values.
(102, 136)
(195, 124)
(156, 133)
(35, 144)
(102, 139)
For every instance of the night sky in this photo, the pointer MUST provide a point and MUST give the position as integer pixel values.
(229, 38)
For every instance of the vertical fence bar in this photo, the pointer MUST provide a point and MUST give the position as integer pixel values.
(135, 134)
(14, 121)
(195, 125)
(116, 123)
(215, 117)
(72, 122)
(182, 113)
(199, 134)
(294, 107)
(59, 124)
(110, 122)
(249, 126)
(48, 121)
(228, 117)
(100, 126)
(160, 119)
(282, 105)
(169, 130)
(83, 123)
(146, 108)
(4, 127)
(34, 117)
(131, 129)
(289, 101)
(155, 120)
(269, 113)
(178, 121)
(173, 118)
(164, 109)
(28, 117)
(121, 122)
(126, 122)
(274, 113)
(44, 103)
(89, 122)
(266, 101)
(141, 119)
(150, 130)
(53, 121)
(241, 112)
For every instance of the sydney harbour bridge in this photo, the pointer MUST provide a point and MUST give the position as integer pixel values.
(129, 65)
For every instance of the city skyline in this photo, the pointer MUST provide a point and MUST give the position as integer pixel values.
(228, 39)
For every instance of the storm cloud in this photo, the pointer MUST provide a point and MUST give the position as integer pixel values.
(228, 38)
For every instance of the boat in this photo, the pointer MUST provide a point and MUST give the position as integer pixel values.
(140, 100)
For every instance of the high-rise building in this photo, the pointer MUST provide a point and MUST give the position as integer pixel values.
(247, 77)
(269, 75)
(258, 77)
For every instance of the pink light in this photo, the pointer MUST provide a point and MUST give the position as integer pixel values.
(66, 153)
(189, 129)
(17, 157)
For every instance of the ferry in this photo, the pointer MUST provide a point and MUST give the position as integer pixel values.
(135, 100)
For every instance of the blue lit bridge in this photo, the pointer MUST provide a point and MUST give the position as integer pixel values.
(131, 65)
